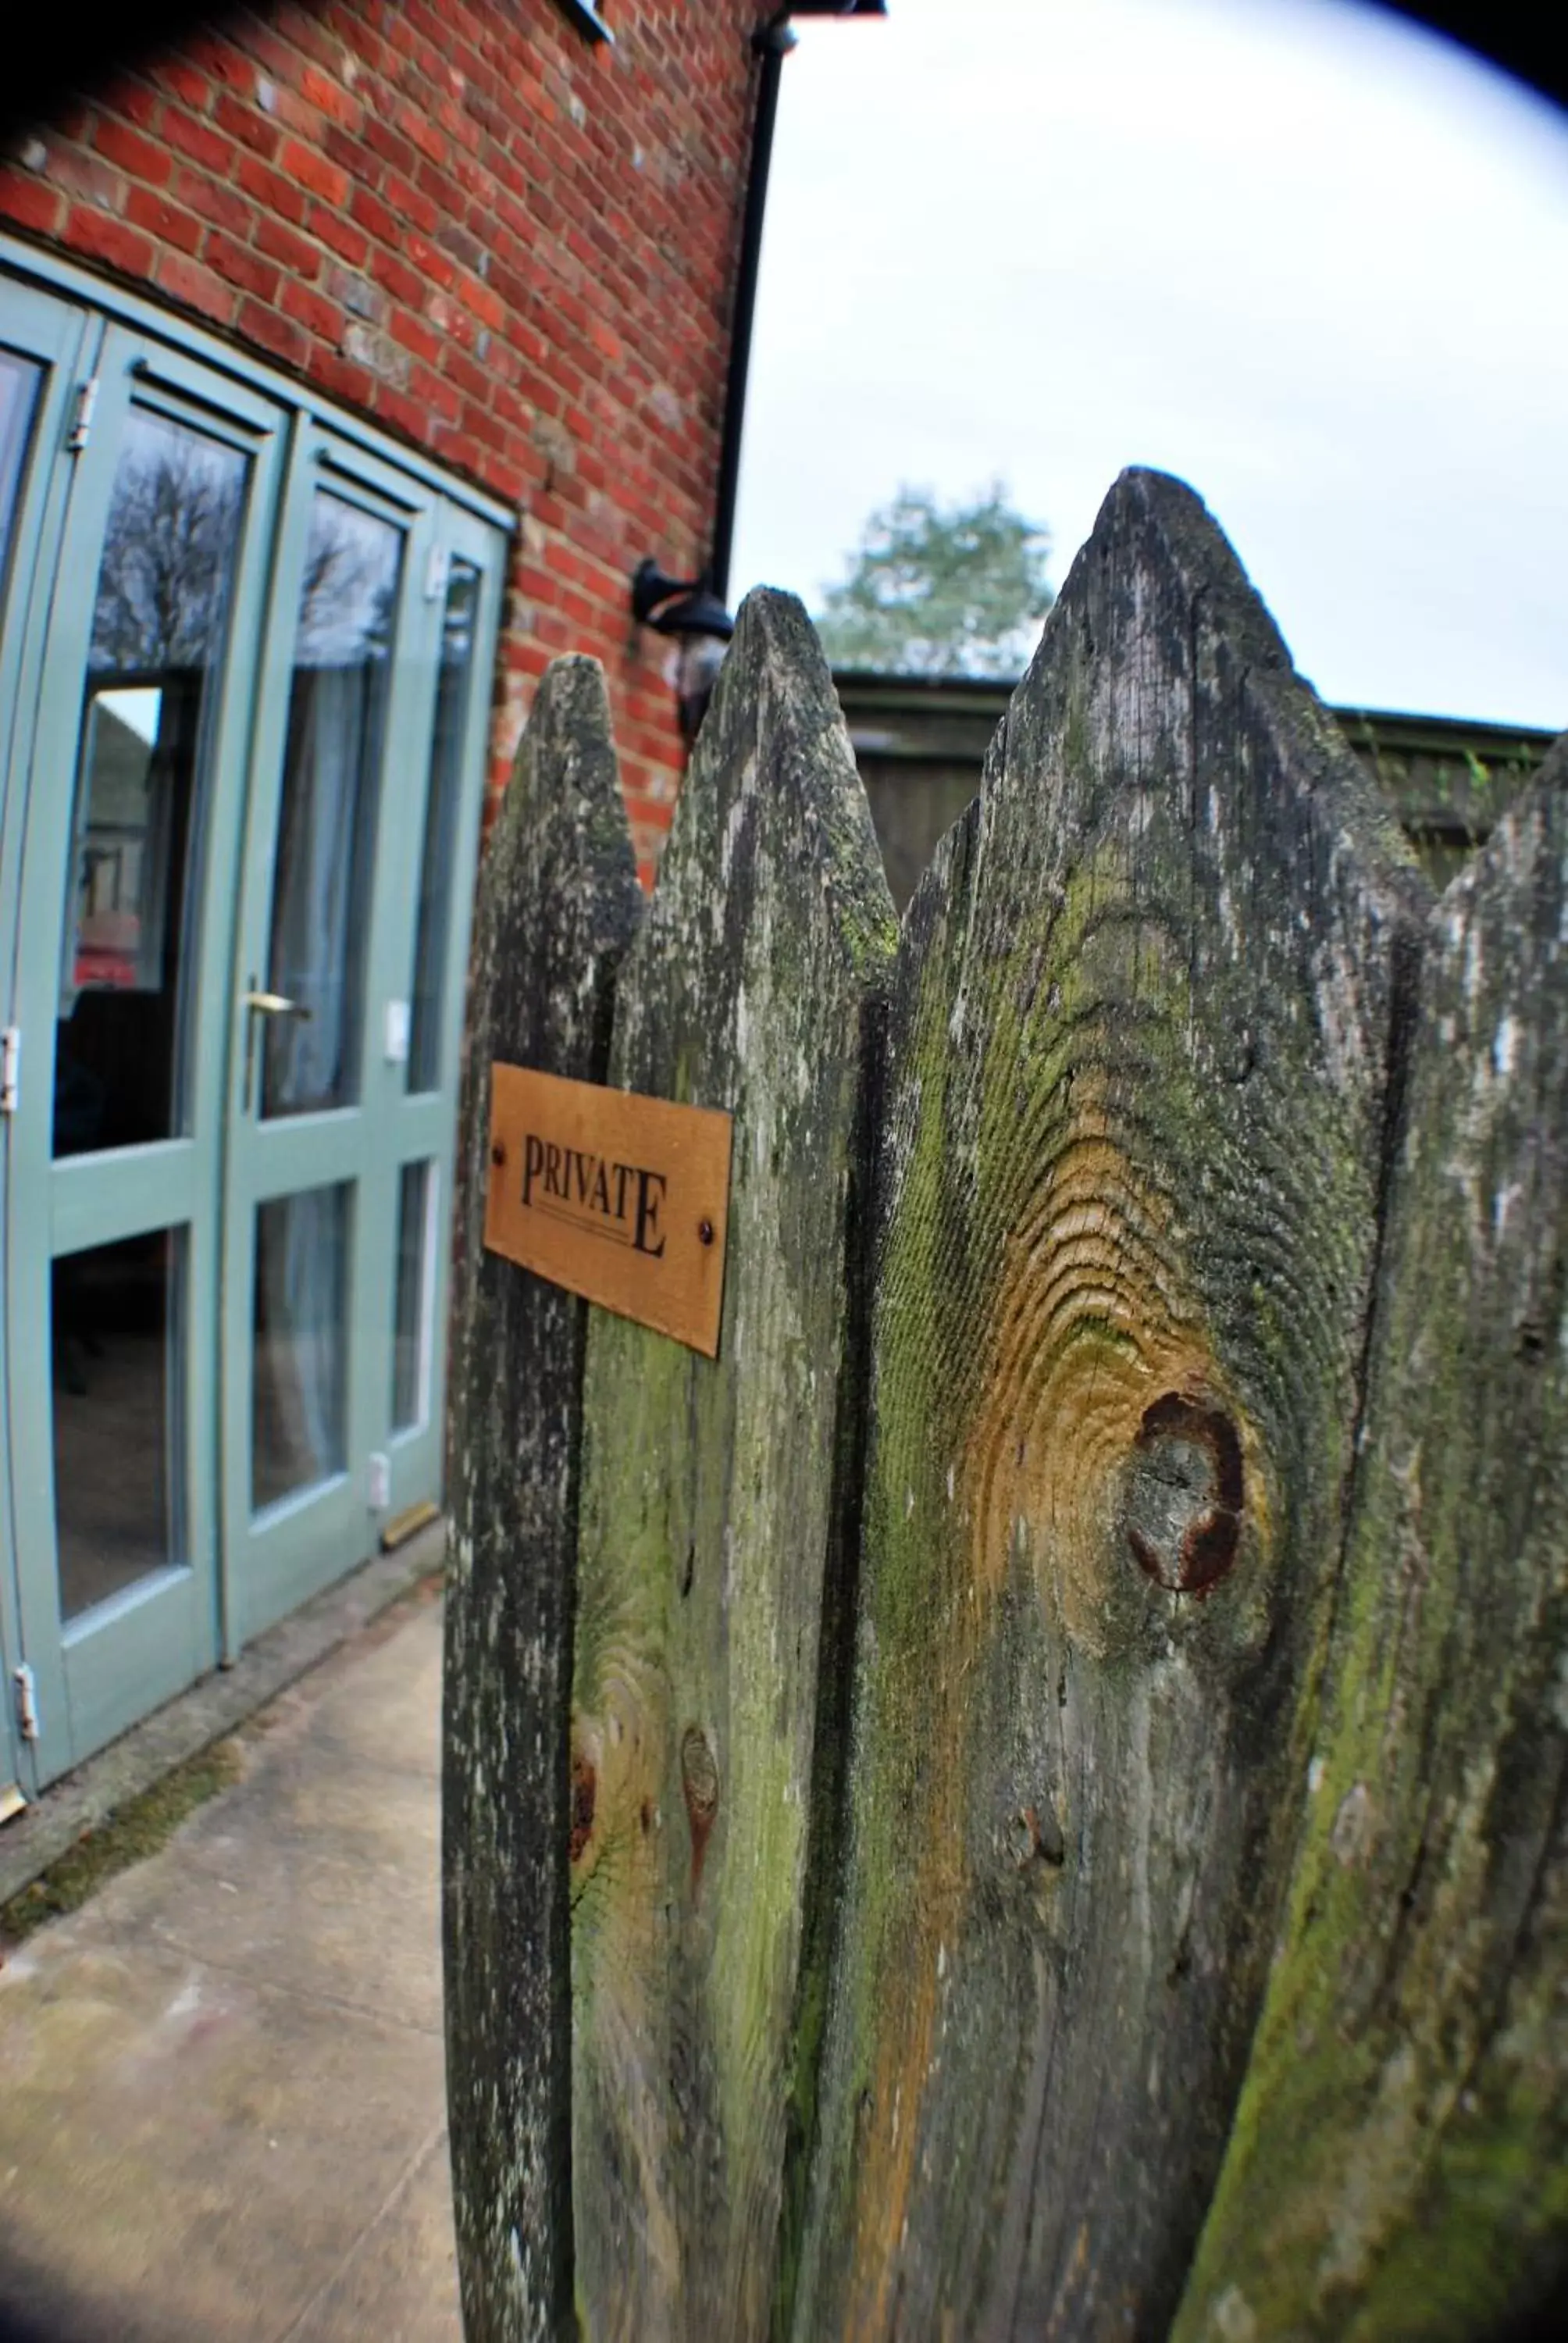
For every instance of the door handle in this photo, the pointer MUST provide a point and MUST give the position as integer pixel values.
(264, 1004)
(276, 1004)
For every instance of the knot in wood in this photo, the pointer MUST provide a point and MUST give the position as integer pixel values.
(1182, 1494)
(699, 1774)
(585, 1797)
(1035, 1836)
(699, 1784)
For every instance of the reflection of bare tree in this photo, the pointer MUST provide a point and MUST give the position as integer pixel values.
(167, 551)
(323, 562)
(348, 588)
(457, 621)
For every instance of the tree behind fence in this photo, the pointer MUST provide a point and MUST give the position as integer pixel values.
(1028, 1797)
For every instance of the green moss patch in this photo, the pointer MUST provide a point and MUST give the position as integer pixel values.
(127, 1837)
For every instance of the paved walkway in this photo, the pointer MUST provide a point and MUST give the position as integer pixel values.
(221, 2102)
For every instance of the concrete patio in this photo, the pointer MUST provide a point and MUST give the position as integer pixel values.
(221, 2091)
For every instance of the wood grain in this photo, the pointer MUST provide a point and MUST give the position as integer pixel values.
(717, 1524)
(558, 904)
(1400, 2161)
(1148, 1012)
(1046, 1762)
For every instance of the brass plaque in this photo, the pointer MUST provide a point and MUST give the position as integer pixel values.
(619, 1198)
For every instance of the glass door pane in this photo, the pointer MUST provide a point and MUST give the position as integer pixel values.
(412, 1311)
(118, 1349)
(158, 630)
(326, 823)
(443, 812)
(299, 1378)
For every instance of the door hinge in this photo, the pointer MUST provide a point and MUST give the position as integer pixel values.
(27, 1702)
(10, 1067)
(82, 420)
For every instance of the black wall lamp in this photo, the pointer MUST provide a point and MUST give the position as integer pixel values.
(688, 611)
(692, 610)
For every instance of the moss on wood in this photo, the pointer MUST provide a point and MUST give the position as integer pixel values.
(714, 1525)
(1065, 1810)
(559, 903)
(1400, 2161)
(1126, 1226)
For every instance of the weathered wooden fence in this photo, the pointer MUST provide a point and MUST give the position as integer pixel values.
(1029, 1796)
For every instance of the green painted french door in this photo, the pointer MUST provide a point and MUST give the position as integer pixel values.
(247, 662)
(134, 776)
(340, 1159)
(42, 342)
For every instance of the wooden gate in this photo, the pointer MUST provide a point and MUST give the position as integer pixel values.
(1028, 1797)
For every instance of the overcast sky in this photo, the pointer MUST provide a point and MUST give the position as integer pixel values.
(1310, 259)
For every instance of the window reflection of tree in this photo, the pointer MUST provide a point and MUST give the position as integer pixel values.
(167, 551)
(158, 623)
(348, 588)
(162, 586)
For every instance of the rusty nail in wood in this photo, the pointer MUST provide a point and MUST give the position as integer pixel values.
(497, 1152)
(705, 1232)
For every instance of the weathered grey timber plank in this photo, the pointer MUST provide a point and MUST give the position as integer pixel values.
(1399, 2162)
(717, 1511)
(558, 904)
(1146, 1008)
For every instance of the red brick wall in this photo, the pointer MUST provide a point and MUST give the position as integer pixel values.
(510, 246)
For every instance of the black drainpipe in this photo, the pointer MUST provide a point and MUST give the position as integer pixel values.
(772, 42)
